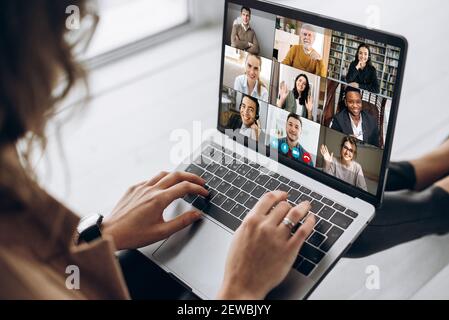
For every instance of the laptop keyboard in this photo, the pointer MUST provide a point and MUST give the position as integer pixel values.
(236, 184)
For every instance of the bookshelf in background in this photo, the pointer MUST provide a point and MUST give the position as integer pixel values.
(385, 59)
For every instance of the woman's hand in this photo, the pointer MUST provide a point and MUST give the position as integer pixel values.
(309, 107)
(354, 85)
(328, 157)
(361, 65)
(137, 219)
(263, 250)
(283, 94)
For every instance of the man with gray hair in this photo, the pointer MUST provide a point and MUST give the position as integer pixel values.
(304, 56)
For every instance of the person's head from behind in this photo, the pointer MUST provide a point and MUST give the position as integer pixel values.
(293, 128)
(348, 149)
(249, 110)
(246, 15)
(35, 57)
(363, 55)
(302, 88)
(253, 67)
(353, 101)
(307, 36)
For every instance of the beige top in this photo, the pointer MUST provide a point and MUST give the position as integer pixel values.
(240, 39)
(36, 247)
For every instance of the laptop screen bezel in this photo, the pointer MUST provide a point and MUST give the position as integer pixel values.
(345, 27)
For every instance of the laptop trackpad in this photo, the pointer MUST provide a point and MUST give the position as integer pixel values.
(197, 256)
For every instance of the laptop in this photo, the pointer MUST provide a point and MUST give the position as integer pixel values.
(307, 104)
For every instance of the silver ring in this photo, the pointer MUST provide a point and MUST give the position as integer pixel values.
(288, 223)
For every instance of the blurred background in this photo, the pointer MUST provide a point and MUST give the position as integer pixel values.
(155, 66)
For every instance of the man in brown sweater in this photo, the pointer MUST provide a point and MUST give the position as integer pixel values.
(243, 36)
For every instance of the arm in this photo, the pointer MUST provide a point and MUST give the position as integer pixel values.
(360, 179)
(255, 49)
(236, 42)
(290, 58)
(352, 73)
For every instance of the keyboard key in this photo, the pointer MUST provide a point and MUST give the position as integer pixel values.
(232, 192)
(221, 172)
(339, 207)
(294, 185)
(316, 206)
(262, 179)
(303, 198)
(251, 203)
(352, 214)
(341, 220)
(214, 182)
(244, 214)
(213, 167)
(190, 198)
(283, 187)
(249, 186)
(316, 196)
(284, 180)
(326, 212)
(212, 193)
(242, 197)
(230, 176)
(202, 162)
(305, 190)
(274, 175)
(316, 239)
(223, 187)
(330, 203)
(239, 181)
(272, 184)
(259, 192)
(238, 210)
(228, 205)
(323, 227)
(254, 165)
(200, 203)
(234, 166)
(243, 169)
(195, 170)
(298, 261)
(310, 253)
(221, 216)
(293, 195)
(207, 176)
(306, 268)
(253, 174)
(332, 236)
(219, 199)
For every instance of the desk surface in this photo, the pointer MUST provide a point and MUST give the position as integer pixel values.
(124, 135)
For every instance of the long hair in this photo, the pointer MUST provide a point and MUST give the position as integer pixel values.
(38, 69)
(302, 98)
(260, 84)
(368, 63)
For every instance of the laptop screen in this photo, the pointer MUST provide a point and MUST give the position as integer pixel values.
(321, 93)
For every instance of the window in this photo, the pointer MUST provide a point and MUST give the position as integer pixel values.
(124, 23)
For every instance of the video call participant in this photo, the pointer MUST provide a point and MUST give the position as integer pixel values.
(362, 74)
(354, 121)
(304, 56)
(298, 101)
(248, 122)
(345, 168)
(290, 146)
(243, 37)
(249, 83)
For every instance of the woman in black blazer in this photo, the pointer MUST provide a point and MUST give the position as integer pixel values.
(362, 74)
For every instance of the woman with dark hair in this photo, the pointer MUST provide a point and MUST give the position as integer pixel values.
(362, 74)
(299, 100)
(345, 167)
(41, 250)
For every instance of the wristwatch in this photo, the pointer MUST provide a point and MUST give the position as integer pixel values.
(89, 228)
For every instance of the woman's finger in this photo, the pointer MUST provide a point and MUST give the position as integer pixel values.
(268, 201)
(180, 190)
(170, 227)
(177, 177)
(156, 179)
(300, 236)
